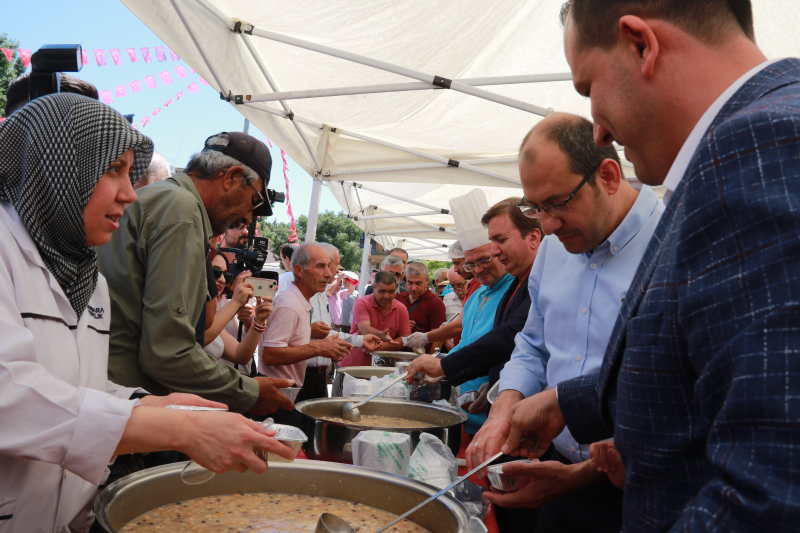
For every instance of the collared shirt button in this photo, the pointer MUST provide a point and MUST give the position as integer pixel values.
(579, 357)
(593, 266)
(584, 310)
(616, 248)
(573, 449)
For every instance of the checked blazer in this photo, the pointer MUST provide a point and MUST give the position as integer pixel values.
(700, 384)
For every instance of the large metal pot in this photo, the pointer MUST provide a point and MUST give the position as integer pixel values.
(386, 358)
(137, 493)
(331, 441)
(366, 372)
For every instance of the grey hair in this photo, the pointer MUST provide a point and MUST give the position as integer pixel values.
(439, 275)
(302, 256)
(158, 170)
(417, 269)
(455, 251)
(329, 248)
(392, 260)
(209, 163)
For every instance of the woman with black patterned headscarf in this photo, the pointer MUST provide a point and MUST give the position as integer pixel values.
(67, 164)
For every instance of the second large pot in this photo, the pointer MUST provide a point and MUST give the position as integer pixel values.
(331, 441)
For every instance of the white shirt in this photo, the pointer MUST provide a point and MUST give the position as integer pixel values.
(320, 312)
(681, 163)
(284, 280)
(61, 419)
(216, 348)
(452, 305)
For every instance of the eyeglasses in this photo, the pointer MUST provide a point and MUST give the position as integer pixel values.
(260, 196)
(482, 263)
(457, 286)
(554, 209)
(219, 272)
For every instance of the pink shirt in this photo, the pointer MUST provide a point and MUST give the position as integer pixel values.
(335, 305)
(366, 310)
(289, 325)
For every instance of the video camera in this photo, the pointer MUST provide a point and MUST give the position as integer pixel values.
(47, 64)
(252, 260)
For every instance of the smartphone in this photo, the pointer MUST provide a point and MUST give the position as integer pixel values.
(263, 287)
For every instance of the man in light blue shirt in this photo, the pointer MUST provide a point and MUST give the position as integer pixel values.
(598, 227)
(479, 313)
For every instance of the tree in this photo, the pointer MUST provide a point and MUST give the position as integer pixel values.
(433, 265)
(342, 232)
(9, 70)
(334, 228)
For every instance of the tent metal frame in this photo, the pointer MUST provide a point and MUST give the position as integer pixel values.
(423, 81)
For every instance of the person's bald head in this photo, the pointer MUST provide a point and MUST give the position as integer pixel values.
(575, 186)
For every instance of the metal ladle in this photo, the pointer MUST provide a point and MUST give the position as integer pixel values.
(350, 410)
(330, 523)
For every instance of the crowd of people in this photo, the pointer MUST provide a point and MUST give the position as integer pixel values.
(644, 350)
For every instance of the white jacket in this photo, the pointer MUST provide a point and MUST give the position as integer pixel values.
(59, 426)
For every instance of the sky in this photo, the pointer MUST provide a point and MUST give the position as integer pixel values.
(178, 130)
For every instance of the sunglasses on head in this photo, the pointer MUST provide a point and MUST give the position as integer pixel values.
(219, 272)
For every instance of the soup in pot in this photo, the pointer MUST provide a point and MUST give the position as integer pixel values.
(261, 512)
(381, 421)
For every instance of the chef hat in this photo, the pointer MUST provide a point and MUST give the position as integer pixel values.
(467, 211)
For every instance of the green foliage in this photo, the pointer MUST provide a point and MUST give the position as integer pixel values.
(8, 70)
(433, 265)
(334, 228)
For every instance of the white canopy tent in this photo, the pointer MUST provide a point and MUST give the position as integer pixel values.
(397, 106)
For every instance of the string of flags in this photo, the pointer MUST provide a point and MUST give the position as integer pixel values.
(100, 56)
(292, 226)
(134, 86)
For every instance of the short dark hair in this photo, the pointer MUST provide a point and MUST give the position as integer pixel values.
(401, 251)
(385, 277)
(574, 136)
(18, 93)
(711, 21)
(509, 207)
(288, 249)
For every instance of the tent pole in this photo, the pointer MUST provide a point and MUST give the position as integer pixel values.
(396, 215)
(432, 226)
(426, 155)
(420, 166)
(263, 68)
(189, 28)
(362, 285)
(406, 231)
(313, 211)
(403, 71)
(389, 195)
(402, 87)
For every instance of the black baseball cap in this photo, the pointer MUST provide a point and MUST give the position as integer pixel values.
(250, 152)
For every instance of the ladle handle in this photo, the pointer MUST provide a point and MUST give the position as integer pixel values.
(450, 486)
(395, 380)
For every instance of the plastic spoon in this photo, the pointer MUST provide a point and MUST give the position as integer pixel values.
(350, 410)
(194, 474)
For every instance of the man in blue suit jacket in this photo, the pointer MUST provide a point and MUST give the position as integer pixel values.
(700, 386)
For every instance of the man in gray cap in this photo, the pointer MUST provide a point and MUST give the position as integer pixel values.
(155, 267)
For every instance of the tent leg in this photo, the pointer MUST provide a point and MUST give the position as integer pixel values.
(365, 270)
(313, 212)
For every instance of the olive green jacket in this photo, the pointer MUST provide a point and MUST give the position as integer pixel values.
(155, 267)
